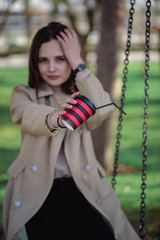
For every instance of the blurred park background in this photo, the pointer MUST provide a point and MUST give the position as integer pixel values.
(102, 29)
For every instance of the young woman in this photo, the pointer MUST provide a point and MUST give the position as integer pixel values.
(58, 190)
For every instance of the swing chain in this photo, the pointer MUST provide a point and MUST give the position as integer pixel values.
(142, 231)
(122, 99)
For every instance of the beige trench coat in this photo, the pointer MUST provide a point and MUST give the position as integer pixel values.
(32, 173)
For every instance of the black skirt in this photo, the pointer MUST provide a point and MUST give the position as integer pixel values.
(67, 215)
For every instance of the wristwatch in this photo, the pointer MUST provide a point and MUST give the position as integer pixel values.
(80, 68)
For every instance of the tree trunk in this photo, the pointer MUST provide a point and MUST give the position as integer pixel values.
(107, 66)
(27, 15)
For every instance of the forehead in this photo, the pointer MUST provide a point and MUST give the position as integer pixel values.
(52, 48)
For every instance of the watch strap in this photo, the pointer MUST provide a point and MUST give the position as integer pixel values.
(80, 68)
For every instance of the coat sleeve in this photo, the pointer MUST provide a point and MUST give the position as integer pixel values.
(28, 115)
(93, 89)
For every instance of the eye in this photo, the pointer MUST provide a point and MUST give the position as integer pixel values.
(61, 59)
(42, 60)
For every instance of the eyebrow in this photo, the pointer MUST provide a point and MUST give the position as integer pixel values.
(61, 56)
(55, 56)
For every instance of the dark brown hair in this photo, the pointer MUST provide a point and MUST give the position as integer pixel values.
(46, 34)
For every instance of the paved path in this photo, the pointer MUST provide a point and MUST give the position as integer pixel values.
(21, 60)
(18, 60)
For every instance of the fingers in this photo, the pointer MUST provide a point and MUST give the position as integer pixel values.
(70, 102)
(67, 34)
(70, 32)
(69, 42)
(74, 95)
(65, 38)
(65, 106)
(61, 113)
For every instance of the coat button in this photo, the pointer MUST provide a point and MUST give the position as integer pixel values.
(80, 131)
(98, 201)
(35, 168)
(88, 167)
(17, 203)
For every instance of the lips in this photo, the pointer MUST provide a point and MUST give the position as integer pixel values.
(53, 77)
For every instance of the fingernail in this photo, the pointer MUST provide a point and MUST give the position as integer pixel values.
(75, 101)
(70, 106)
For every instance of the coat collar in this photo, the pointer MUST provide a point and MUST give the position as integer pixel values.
(45, 90)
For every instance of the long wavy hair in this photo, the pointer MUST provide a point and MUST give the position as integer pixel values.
(46, 34)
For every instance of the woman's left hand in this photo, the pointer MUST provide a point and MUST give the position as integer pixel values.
(71, 47)
(70, 102)
(67, 105)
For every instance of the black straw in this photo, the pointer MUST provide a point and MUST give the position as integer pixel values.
(111, 104)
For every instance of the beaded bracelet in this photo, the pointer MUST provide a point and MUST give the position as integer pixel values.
(59, 123)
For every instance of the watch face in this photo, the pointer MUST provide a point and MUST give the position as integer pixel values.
(82, 67)
(79, 68)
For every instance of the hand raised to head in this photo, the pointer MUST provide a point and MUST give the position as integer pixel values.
(71, 47)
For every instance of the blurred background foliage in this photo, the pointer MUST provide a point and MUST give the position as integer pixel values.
(102, 29)
(20, 19)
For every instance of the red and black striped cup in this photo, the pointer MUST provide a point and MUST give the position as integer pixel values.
(79, 113)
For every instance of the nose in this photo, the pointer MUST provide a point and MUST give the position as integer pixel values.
(52, 66)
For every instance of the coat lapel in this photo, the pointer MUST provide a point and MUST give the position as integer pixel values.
(44, 91)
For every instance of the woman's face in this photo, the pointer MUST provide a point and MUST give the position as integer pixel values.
(53, 65)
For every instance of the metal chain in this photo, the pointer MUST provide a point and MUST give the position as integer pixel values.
(122, 99)
(142, 231)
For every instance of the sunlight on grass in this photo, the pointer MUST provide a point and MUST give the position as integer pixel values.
(10, 136)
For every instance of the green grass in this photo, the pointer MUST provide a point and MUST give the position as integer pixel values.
(128, 185)
(10, 136)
